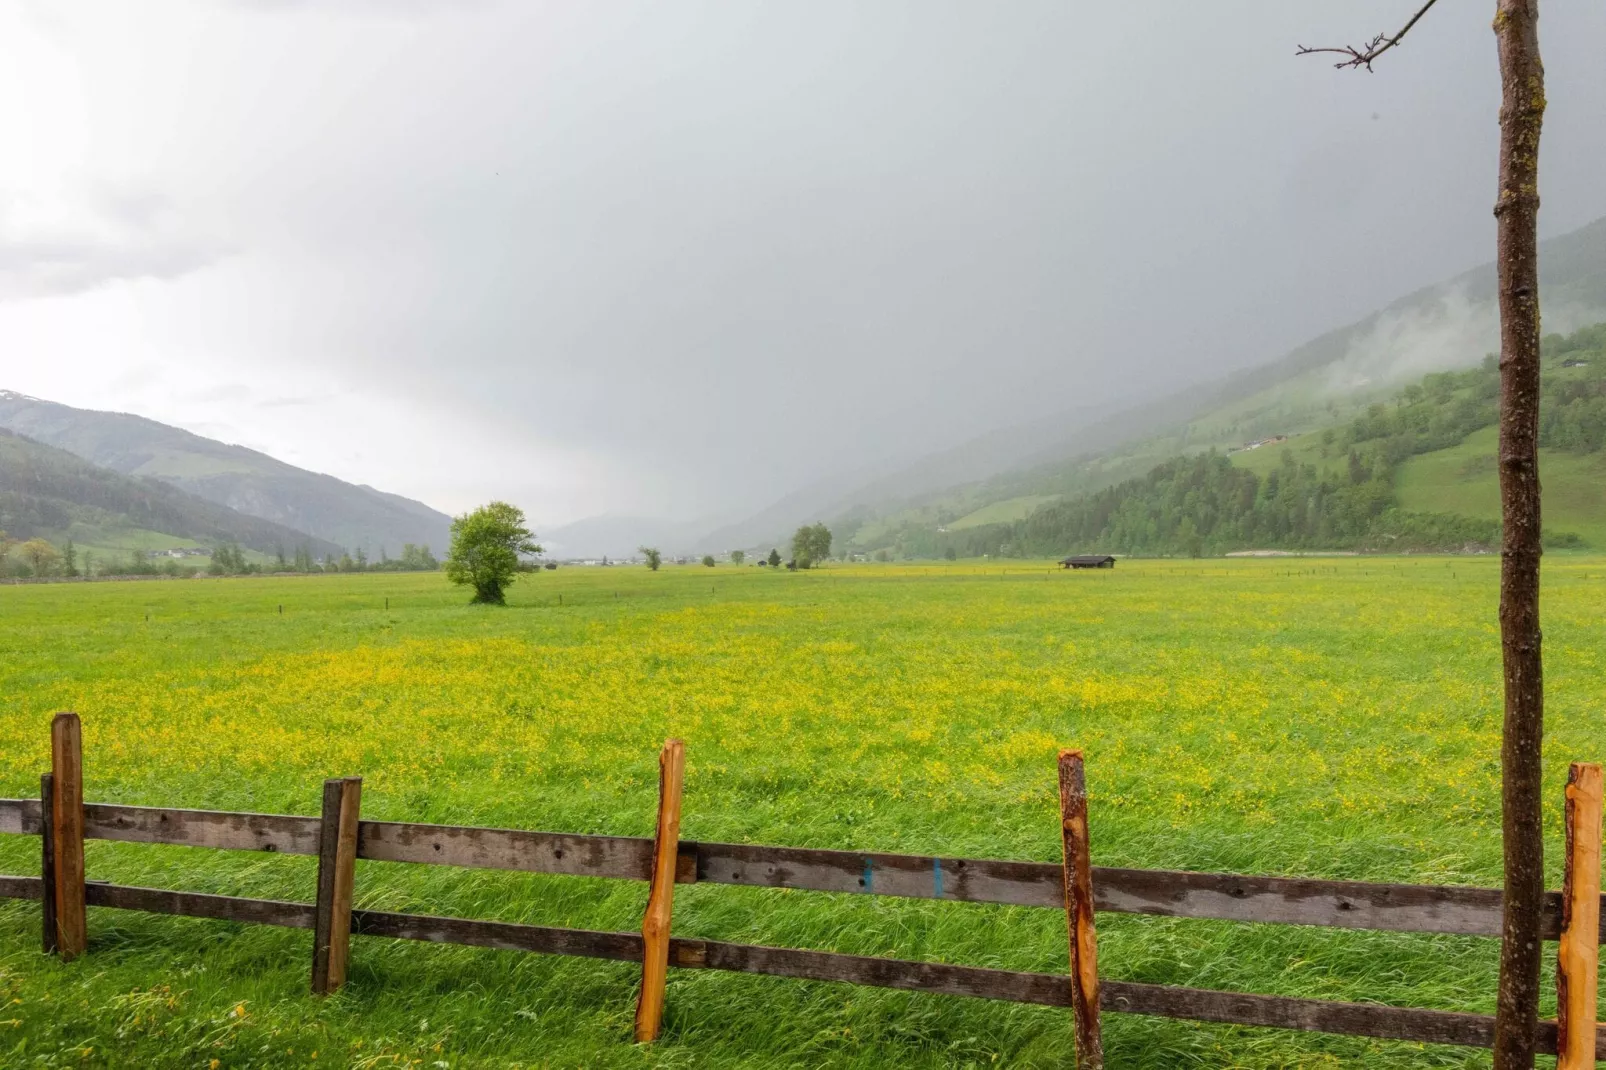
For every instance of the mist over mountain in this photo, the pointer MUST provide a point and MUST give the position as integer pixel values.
(1446, 325)
(338, 513)
(620, 537)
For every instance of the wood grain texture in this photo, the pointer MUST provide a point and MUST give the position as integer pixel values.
(67, 830)
(656, 921)
(19, 816)
(1578, 956)
(24, 888)
(273, 833)
(628, 857)
(1224, 896)
(337, 859)
(1078, 885)
(506, 936)
(48, 932)
(202, 905)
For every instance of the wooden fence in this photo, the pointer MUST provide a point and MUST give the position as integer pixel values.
(63, 821)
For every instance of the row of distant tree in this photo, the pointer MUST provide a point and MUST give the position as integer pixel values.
(811, 544)
(39, 557)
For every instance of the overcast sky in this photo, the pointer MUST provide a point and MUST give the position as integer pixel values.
(679, 258)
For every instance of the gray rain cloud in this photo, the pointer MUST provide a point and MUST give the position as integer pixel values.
(681, 260)
(95, 240)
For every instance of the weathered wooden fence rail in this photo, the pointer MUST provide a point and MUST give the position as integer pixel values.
(339, 837)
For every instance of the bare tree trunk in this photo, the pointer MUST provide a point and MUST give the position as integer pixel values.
(1522, 108)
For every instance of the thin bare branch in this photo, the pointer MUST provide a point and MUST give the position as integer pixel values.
(1363, 57)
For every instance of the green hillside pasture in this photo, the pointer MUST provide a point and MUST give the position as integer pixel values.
(1463, 479)
(1334, 719)
(1001, 512)
(1307, 449)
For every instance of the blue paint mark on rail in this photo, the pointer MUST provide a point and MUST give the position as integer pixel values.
(869, 874)
(936, 878)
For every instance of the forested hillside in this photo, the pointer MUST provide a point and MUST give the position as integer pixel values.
(50, 493)
(1332, 489)
(1324, 381)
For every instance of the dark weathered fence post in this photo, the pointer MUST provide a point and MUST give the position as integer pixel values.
(655, 924)
(337, 869)
(1578, 958)
(47, 862)
(1079, 911)
(67, 828)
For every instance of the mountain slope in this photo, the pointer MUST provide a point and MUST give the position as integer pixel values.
(1417, 472)
(53, 494)
(242, 479)
(1331, 377)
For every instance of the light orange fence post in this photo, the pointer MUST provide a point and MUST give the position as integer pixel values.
(660, 899)
(337, 869)
(1578, 959)
(67, 833)
(1079, 911)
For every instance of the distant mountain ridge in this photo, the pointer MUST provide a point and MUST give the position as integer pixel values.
(344, 514)
(52, 494)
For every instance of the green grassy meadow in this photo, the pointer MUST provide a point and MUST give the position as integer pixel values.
(1333, 717)
(1464, 479)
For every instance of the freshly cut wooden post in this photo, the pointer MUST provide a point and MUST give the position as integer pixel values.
(337, 866)
(67, 829)
(47, 861)
(1578, 959)
(660, 899)
(1079, 912)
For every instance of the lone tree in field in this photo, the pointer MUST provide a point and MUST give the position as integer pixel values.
(738, 556)
(708, 560)
(774, 559)
(486, 545)
(653, 555)
(811, 543)
(1516, 211)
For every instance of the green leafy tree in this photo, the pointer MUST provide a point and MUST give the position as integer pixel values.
(738, 556)
(811, 543)
(486, 545)
(69, 559)
(708, 560)
(40, 555)
(653, 556)
(774, 558)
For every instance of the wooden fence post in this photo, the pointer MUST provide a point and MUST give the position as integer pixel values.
(655, 923)
(337, 869)
(1578, 959)
(1079, 911)
(47, 861)
(67, 829)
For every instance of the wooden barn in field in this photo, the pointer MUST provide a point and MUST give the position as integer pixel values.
(1088, 561)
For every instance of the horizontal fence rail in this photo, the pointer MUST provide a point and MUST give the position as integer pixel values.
(1421, 908)
(63, 822)
(1044, 989)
